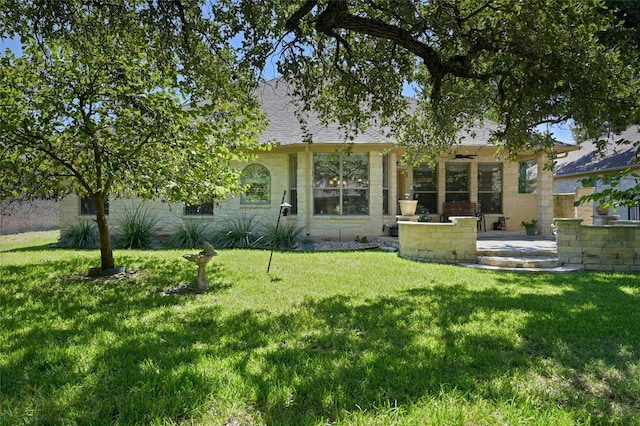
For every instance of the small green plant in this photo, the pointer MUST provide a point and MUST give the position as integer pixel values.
(285, 237)
(529, 223)
(362, 240)
(424, 218)
(239, 232)
(135, 227)
(80, 235)
(189, 235)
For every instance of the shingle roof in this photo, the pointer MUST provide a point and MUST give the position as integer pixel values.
(285, 128)
(587, 160)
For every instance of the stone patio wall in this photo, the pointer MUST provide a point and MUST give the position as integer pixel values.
(599, 248)
(439, 242)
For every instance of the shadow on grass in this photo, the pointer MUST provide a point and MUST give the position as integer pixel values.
(141, 356)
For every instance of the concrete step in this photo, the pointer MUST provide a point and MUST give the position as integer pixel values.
(519, 261)
(518, 251)
(565, 269)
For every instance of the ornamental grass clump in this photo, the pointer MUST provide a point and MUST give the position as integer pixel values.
(239, 232)
(136, 227)
(284, 237)
(80, 235)
(189, 235)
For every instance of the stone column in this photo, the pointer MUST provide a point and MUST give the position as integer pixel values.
(584, 210)
(544, 196)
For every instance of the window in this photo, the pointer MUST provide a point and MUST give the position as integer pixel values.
(425, 188)
(341, 183)
(457, 182)
(88, 206)
(490, 187)
(203, 209)
(385, 184)
(527, 171)
(293, 183)
(257, 180)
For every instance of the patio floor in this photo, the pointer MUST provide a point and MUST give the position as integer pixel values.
(515, 242)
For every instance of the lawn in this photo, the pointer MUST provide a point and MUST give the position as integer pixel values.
(360, 338)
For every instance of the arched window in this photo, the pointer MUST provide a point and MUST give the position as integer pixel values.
(257, 180)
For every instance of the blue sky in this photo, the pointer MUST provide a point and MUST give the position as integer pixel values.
(560, 132)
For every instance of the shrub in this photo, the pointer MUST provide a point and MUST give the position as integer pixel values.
(188, 235)
(285, 237)
(238, 233)
(81, 235)
(135, 227)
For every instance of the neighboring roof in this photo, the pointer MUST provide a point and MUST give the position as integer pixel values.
(587, 160)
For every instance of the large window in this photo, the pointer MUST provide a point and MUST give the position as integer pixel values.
(490, 187)
(257, 180)
(341, 183)
(425, 188)
(457, 182)
(88, 206)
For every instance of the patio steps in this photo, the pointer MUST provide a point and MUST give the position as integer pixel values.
(521, 261)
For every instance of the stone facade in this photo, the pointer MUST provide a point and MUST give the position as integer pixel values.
(516, 207)
(335, 227)
(599, 248)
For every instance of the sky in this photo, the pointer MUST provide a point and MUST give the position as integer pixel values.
(561, 133)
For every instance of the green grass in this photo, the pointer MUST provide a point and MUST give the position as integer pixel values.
(362, 338)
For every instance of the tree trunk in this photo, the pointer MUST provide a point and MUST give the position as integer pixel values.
(106, 253)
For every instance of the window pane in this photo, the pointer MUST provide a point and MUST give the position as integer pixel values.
(425, 187)
(490, 187)
(355, 202)
(527, 170)
(490, 202)
(457, 177)
(326, 170)
(88, 206)
(385, 184)
(427, 202)
(456, 182)
(326, 201)
(490, 177)
(204, 209)
(425, 178)
(355, 170)
(258, 182)
(293, 183)
(456, 196)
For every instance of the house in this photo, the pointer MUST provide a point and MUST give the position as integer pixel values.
(341, 189)
(587, 162)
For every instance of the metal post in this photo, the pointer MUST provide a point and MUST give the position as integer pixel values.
(273, 244)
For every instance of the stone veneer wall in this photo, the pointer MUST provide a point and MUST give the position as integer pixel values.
(599, 248)
(317, 227)
(439, 242)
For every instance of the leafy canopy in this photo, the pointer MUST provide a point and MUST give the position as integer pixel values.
(520, 64)
(136, 98)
